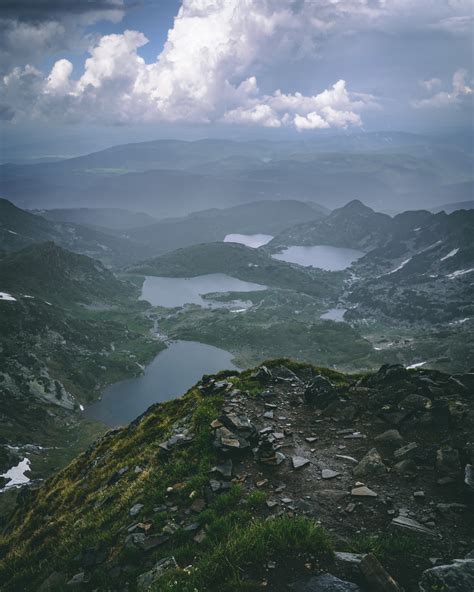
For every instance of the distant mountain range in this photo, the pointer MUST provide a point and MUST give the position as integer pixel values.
(390, 171)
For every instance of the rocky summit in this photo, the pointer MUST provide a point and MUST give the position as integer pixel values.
(287, 477)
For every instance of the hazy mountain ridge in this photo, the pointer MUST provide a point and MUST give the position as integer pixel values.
(170, 178)
(269, 217)
(107, 218)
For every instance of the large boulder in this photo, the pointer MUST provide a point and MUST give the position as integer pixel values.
(455, 577)
(320, 392)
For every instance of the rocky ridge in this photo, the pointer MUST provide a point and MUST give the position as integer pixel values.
(309, 460)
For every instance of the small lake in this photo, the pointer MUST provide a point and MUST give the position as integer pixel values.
(334, 314)
(171, 292)
(322, 256)
(169, 375)
(249, 240)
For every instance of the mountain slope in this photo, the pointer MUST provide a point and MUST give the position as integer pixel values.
(49, 272)
(182, 484)
(57, 356)
(354, 225)
(19, 228)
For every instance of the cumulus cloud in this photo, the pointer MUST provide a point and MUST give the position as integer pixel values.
(29, 30)
(204, 73)
(211, 61)
(459, 91)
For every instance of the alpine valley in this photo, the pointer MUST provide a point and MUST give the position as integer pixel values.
(299, 376)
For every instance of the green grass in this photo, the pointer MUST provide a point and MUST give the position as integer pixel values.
(393, 547)
(243, 548)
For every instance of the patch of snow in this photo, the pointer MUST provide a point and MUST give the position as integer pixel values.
(459, 272)
(401, 266)
(250, 240)
(48, 303)
(239, 310)
(17, 475)
(450, 254)
(6, 296)
(11, 232)
(417, 229)
(460, 321)
(27, 296)
(417, 365)
(81, 407)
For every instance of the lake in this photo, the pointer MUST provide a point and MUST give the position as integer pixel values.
(322, 256)
(249, 240)
(171, 292)
(170, 374)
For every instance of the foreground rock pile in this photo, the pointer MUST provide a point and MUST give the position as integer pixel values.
(392, 452)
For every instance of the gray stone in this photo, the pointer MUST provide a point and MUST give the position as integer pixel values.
(329, 474)
(363, 491)
(405, 451)
(79, 579)
(371, 464)
(456, 577)
(299, 461)
(390, 438)
(405, 466)
(134, 510)
(409, 524)
(320, 392)
(324, 583)
(224, 469)
(148, 579)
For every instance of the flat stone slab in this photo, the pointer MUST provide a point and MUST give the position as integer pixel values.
(363, 491)
(410, 524)
(329, 474)
(299, 461)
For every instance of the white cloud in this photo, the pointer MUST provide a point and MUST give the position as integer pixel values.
(58, 80)
(208, 68)
(459, 91)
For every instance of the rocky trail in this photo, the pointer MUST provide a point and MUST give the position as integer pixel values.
(380, 456)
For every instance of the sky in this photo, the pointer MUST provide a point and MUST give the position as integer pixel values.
(78, 75)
